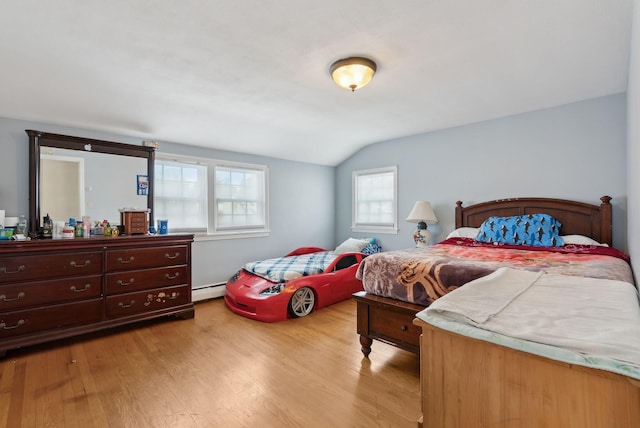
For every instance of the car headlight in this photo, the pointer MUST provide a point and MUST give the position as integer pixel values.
(274, 289)
(235, 277)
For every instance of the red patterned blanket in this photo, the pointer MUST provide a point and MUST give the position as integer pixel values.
(421, 275)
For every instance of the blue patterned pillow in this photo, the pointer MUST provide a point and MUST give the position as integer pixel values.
(538, 230)
(372, 247)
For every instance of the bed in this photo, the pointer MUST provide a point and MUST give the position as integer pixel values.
(472, 381)
(386, 315)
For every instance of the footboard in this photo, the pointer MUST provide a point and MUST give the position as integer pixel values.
(468, 382)
(387, 320)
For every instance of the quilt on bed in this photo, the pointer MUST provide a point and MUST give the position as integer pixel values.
(422, 275)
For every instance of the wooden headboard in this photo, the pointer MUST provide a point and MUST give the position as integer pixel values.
(577, 218)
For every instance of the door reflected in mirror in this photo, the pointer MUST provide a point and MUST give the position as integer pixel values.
(74, 184)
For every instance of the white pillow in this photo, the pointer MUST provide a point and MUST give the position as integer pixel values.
(580, 240)
(351, 245)
(464, 232)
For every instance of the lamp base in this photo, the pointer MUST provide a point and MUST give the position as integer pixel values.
(422, 237)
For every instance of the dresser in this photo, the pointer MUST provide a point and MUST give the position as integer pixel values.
(52, 289)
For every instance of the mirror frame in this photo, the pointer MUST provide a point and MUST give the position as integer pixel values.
(38, 139)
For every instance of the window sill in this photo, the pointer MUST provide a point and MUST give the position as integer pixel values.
(383, 230)
(230, 235)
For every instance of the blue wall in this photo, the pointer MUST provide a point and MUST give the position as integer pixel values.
(576, 151)
(301, 209)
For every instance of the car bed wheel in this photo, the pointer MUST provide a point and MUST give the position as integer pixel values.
(302, 302)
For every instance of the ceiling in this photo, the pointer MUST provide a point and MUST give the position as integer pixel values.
(253, 76)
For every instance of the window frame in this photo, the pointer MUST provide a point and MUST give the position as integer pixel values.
(371, 228)
(212, 232)
(186, 161)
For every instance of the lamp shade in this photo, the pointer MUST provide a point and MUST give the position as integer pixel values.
(353, 73)
(422, 213)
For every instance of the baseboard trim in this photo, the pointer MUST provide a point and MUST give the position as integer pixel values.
(212, 291)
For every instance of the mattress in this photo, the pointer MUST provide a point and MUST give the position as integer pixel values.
(584, 321)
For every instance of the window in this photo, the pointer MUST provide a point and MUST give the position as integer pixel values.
(180, 194)
(211, 197)
(375, 200)
(239, 198)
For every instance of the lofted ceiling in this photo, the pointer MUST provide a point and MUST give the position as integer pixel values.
(253, 76)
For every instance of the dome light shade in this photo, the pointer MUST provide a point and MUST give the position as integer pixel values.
(353, 73)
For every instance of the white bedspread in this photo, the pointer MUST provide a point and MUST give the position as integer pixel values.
(595, 317)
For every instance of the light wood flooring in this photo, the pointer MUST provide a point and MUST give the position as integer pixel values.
(216, 370)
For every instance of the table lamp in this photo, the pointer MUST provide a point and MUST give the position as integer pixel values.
(422, 213)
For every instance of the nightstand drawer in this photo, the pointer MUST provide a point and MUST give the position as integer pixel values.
(394, 325)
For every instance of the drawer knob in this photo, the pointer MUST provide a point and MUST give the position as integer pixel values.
(120, 282)
(6, 327)
(170, 257)
(4, 298)
(124, 305)
(80, 290)
(4, 269)
(404, 328)
(168, 276)
(121, 260)
(76, 265)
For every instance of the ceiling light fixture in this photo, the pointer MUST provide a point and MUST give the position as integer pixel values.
(353, 73)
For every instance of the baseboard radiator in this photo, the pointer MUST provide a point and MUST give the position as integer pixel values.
(206, 292)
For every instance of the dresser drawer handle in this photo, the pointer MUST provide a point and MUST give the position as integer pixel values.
(76, 265)
(120, 282)
(121, 260)
(20, 269)
(4, 326)
(4, 298)
(170, 257)
(123, 305)
(166, 275)
(80, 290)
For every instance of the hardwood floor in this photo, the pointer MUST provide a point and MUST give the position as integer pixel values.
(216, 370)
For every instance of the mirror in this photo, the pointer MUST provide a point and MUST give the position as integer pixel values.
(75, 177)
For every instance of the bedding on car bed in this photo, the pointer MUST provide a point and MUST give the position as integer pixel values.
(283, 269)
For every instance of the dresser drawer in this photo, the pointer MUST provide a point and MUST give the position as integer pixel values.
(141, 258)
(23, 295)
(21, 268)
(147, 301)
(128, 281)
(394, 325)
(17, 323)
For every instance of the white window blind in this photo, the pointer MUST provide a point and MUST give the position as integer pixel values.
(180, 194)
(239, 197)
(375, 199)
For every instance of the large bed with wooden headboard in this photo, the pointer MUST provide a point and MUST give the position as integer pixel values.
(471, 382)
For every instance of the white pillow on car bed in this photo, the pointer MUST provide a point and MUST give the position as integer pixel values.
(351, 245)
